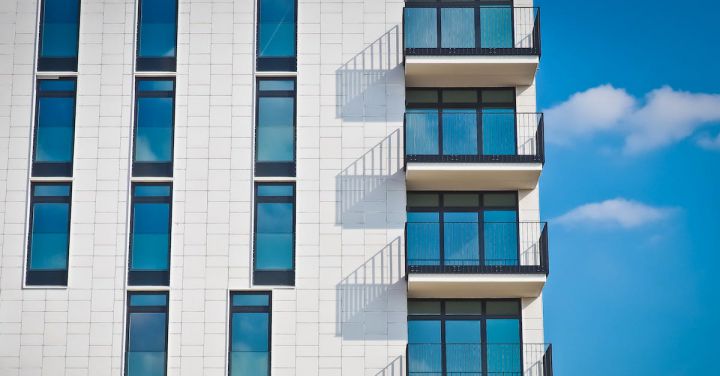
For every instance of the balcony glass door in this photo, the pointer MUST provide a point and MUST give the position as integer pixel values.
(457, 27)
(462, 238)
(459, 132)
(498, 131)
(496, 27)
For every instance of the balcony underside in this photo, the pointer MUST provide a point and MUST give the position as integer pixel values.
(470, 71)
(452, 285)
(472, 176)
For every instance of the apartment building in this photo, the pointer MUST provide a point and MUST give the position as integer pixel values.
(271, 187)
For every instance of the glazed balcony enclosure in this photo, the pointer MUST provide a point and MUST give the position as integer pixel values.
(477, 359)
(466, 43)
(456, 255)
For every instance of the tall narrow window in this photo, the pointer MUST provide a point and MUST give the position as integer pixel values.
(274, 234)
(59, 33)
(275, 128)
(54, 128)
(154, 120)
(147, 329)
(49, 241)
(277, 42)
(150, 234)
(157, 35)
(250, 319)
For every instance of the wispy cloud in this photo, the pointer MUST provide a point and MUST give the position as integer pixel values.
(709, 142)
(664, 116)
(618, 211)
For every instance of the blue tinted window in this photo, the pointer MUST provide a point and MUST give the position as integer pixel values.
(498, 130)
(462, 239)
(276, 130)
(140, 300)
(147, 335)
(496, 27)
(275, 190)
(150, 234)
(420, 30)
(503, 346)
(501, 237)
(276, 28)
(424, 347)
(59, 25)
(274, 237)
(463, 351)
(54, 128)
(457, 27)
(459, 132)
(423, 238)
(151, 240)
(422, 132)
(251, 300)
(249, 337)
(153, 144)
(276, 85)
(49, 234)
(157, 28)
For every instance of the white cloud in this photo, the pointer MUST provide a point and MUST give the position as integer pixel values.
(618, 211)
(708, 142)
(663, 117)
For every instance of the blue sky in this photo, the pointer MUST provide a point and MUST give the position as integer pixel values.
(632, 194)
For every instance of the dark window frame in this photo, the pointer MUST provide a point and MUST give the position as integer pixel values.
(146, 309)
(275, 169)
(53, 169)
(478, 106)
(54, 64)
(46, 277)
(275, 64)
(441, 209)
(155, 64)
(150, 277)
(444, 317)
(154, 169)
(280, 277)
(250, 309)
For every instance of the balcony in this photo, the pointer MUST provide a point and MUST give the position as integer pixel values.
(466, 43)
(476, 260)
(456, 149)
(476, 359)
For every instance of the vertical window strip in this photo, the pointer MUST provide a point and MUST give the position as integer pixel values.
(277, 35)
(157, 35)
(274, 240)
(154, 128)
(275, 127)
(54, 129)
(150, 234)
(147, 334)
(59, 35)
(250, 333)
(49, 234)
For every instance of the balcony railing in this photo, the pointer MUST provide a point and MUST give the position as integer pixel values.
(464, 29)
(451, 135)
(476, 247)
(466, 359)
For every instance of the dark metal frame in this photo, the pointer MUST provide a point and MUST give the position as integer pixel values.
(146, 309)
(478, 50)
(150, 277)
(155, 169)
(155, 64)
(481, 268)
(57, 64)
(53, 169)
(275, 64)
(47, 277)
(443, 317)
(275, 277)
(276, 169)
(250, 309)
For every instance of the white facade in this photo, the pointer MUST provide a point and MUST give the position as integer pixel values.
(346, 314)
